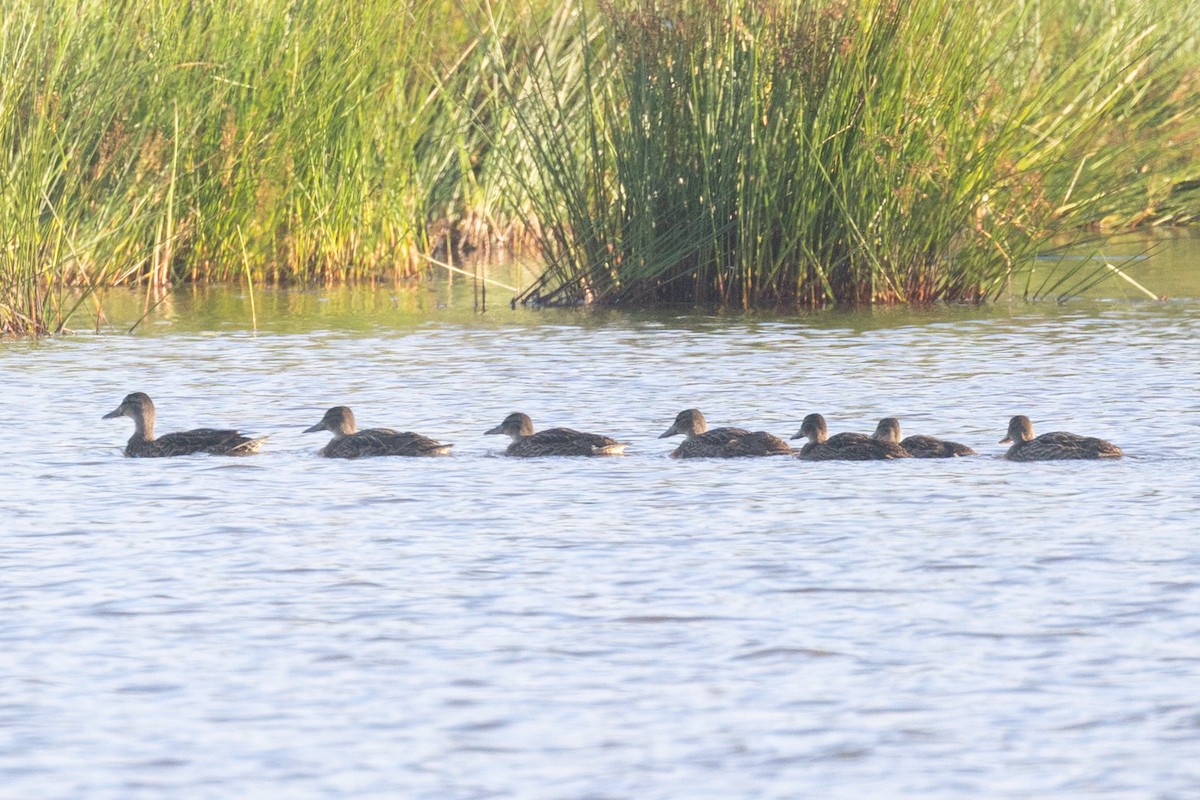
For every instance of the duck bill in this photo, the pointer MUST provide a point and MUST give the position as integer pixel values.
(320, 426)
(796, 436)
(495, 430)
(113, 414)
(1006, 440)
(669, 432)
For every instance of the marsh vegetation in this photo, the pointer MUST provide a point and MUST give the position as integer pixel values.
(734, 152)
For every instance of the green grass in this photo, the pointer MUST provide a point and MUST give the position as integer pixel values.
(160, 142)
(736, 152)
(851, 152)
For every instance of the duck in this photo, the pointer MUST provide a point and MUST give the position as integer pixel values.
(700, 442)
(553, 441)
(349, 442)
(844, 446)
(888, 430)
(1053, 446)
(143, 444)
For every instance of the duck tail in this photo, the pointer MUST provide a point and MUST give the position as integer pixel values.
(249, 446)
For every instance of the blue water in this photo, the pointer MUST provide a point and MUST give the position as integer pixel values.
(638, 627)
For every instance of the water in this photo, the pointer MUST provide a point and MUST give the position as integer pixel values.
(637, 627)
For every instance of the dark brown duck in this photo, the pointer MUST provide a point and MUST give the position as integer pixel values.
(700, 442)
(1055, 446)
(888, 430)
(844, 446)
(144, 444)
(349, 442)
(552, 441)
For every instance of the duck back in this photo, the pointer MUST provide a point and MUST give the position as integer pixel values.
(732, 443)
(201, 440)
(1061, 446)
(932, 447)
(384, 442)
(852, 447)
(565, 442)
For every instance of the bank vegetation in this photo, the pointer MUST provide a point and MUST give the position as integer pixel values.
(729, 152)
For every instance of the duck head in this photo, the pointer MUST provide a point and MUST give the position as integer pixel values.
(140, 409)
(888, 430)
(690, 423)
(338, 420)
(813, 428)
(1020, 429)
(515, 425)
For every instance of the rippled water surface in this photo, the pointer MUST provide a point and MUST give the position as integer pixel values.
(637, 627)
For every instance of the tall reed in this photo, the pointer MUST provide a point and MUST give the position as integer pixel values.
(850, 151)
(729, 151)
(147, 141)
